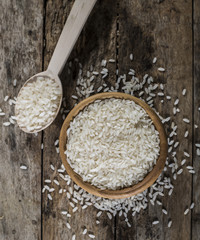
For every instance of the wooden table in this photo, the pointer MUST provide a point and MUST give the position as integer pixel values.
(166, 29)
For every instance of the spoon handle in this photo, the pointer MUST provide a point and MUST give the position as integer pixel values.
(70, 33)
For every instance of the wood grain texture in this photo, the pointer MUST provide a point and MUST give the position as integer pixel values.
(148, 29)
(196, 120)
(161, 29)
(96, 42)
(21, 34)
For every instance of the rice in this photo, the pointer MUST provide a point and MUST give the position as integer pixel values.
(186, 211)
(186, 134)
(91, 235)
(6, 124)
(37, 103)
(183, 162)
(179, 171)
(74, 97)
(52, 167)
(6, 98)
(192, 206)
(176, 102)
(111, 60)
(23, 167)
(51, 190)
(68, 225)
(161, 69)
(170, 192)
(74, 237)
(184, 92)
(155, 60)
(49, 197)
(164, 211)
(99, 213)
(186, 120)
(95, 73)
(169, 223)
(14, 82)
(64, 212)
(186, 154)
(75, 209)
(112, 144)
(56, 182)
(47, 181)
(155, 222)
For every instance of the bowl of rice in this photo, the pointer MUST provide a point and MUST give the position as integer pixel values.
(113, 145)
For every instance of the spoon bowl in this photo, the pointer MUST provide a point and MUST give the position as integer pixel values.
(45, 74)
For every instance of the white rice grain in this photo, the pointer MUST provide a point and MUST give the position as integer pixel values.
(155, 60)
(49, 197)
(184, 92)
(176, 102)
(23, 167)
(68, 225)
(74, 237)
(186, 154)
(192, 206)
(164, 211)
(169, 223)
(161, 69)
(179, 171)
(155, 222)
(186, 120)
(183, 162)
(186, 134)
(186, 211)
(6, 124)
(91, 236)
(6, 98)
(84, 231)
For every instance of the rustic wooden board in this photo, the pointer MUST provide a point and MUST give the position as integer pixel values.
(196, 120)
(96, 42)
(148, 29)
(21, 34)
(161, 29)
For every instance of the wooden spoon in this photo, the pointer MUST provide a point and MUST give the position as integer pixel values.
(73, 26)
(128, 191)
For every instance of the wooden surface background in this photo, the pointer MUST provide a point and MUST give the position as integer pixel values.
(29, 30)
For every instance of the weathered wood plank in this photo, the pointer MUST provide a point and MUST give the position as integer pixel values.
(96, 42)
(161, 29)
(21, 34)
(196, 136)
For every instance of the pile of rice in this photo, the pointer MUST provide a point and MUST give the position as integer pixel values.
(112, 144)
(38, 103)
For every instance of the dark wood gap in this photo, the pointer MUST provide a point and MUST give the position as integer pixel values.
(42, 135)
(192, 110)
(117, 75)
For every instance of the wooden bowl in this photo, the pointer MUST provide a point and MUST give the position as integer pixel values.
(128, 191)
